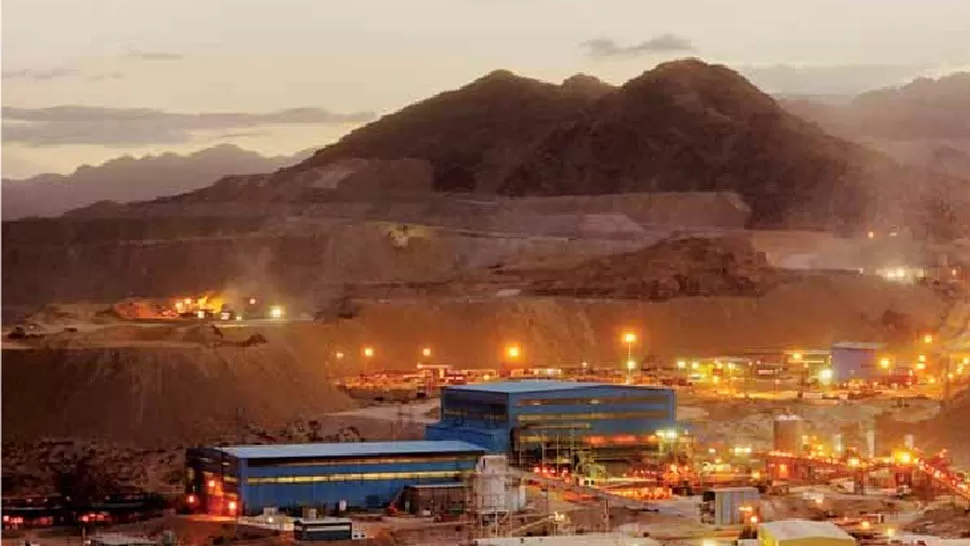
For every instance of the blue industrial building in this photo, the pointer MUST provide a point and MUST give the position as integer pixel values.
(247, 479)
(856, 361)
(537, 420)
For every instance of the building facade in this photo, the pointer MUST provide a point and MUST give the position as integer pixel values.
(246, 479)
(537, 420)
(856, 361)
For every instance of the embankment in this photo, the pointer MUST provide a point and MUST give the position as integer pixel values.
(806, 313)
(158, 395)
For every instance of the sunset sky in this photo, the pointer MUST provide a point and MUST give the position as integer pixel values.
(278, 76)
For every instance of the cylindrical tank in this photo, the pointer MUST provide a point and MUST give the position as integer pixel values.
(490, 485)
(788, 432)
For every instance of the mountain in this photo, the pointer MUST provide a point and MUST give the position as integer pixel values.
(589, 86)
(471, 135)
(685, 126)
(925, 122)
(690, 126)
(128, 179)
(923, 108)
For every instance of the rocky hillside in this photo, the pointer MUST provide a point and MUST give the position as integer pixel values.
(683, 126)
(689, 126)
(673, 268)
(470, 135)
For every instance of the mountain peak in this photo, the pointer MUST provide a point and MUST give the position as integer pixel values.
(586, 85)
(693, 84)
(695, 73)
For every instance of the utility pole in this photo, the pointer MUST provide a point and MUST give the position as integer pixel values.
(946, 380)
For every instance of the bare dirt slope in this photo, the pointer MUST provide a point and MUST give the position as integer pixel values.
(159, 395)
(809, 312)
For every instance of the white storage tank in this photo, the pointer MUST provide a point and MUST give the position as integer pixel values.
(490, 485)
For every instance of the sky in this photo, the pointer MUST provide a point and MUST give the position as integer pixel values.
(85, 81)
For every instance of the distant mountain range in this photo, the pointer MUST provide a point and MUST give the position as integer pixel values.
(925, 123)
(127, 179)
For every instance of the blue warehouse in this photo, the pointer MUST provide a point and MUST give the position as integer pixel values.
(856, 361)
(247, 479)
(529, 420)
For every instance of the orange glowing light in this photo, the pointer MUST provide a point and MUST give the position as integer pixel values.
(513, 352)
(211, 484)
(368, 352)
(190, 499)
(629, 338)
(233, 506)
(426, 352)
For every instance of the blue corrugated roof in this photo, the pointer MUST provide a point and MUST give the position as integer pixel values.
(349, 449)
(531, 385)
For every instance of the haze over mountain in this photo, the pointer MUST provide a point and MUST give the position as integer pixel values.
(127, 179)
(683, 126)
(925, 122)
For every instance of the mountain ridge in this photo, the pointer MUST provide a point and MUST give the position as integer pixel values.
(127, 179)
(683, 126)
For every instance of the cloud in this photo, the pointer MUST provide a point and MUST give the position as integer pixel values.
(69, 125)
(39, 75)
(154, 55)
(30, 74)
(234, 135)
(105, 76)
(665, 43)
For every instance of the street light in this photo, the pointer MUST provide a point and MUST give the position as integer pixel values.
(629, 338)
(426, 352)
(927, 338)
(368, 352)
(513, 352)
(339, 355)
